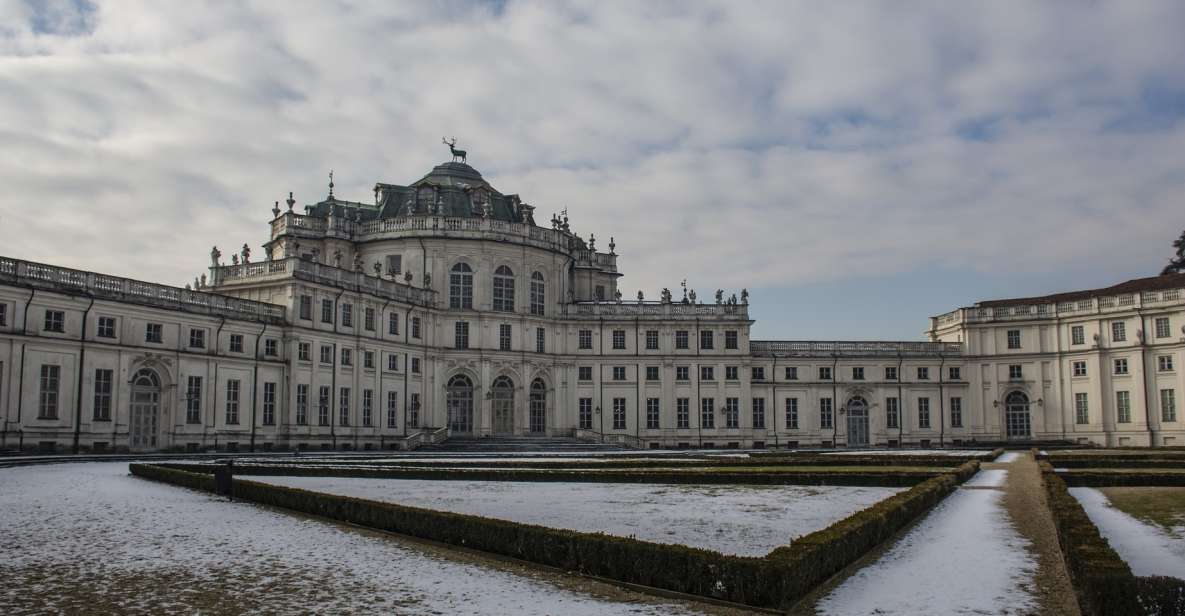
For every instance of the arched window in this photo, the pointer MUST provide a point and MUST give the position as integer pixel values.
(460, 286)
(503, 405)
(537, 293)
(503, 289)
(538, 408)
(459, 404)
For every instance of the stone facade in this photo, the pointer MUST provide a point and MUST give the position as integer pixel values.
(444, 305)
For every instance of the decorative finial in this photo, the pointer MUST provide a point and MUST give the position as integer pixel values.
(331, 183)
(612, 246)
(276, 210)
(291, 202)
(592, 242)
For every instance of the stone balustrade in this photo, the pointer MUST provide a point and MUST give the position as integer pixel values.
(228, 276)
(791, 348)
(1088, 306)
(583, 310)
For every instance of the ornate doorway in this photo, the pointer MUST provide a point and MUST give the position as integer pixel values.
(503, 405)
(459, 404)
(144, 430)
(1016, 415)
(857, 422)
(538, 419)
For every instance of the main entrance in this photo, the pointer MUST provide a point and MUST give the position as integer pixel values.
(538, 419)
(145, 416)
(459, 404)
(503, 405)
(857, 422)
(1016, 415)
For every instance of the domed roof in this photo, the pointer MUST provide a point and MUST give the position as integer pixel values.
(452, 174)
(451, 189)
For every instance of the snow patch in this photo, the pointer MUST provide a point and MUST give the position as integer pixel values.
(993, 478)
(1148, 549)
(1007, 457)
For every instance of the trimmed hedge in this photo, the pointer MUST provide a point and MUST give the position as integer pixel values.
(1101, 461)
(774, 581)
(1101, 478)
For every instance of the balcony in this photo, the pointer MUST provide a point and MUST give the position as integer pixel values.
(231, 276)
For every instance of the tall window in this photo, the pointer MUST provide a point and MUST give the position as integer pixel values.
(1168, 405)
(1081, 408)
(394, 265)
(707, 412)
(413, 412)
(600, 293)
(759, 413)
(197, 338)
(327, 311)
(503, 289)
(730, 339)
(858, 373)
(682, 413)
(368, 319)
(732, 413)
(619, 339)
(271, 347)
(193, 400)
(269, 404)
(585, 339)
(347, 315)
(955, 373)
(923, 373)
(302, 404)
(1120, 366)
(586, 413)
(367, 407)
(705, 340)
(892, 413)
(368, 360)
(1164, 363)
(618, 373)
(392, 409)
(303, 350)
(1014, 338)
(1162, 327)
(393, 323)
(103, 380)
(343, 409)
(651, 373)
(504, 335)
(236, 343)
(1079, 368)
(415, 327)
(50, 380)
(652, 339)
(825, 373)
(791, 413)
(326, 354)
(1015, 371)
(460, 286)
(1077, 335)
(731, 373)
(681, 339)
(4, 315)
(461, 335)
(707, 373)
(106, 325)
(306, 308)
(347, 357)
(1123, 407)
(232, 401)
(652, 413)
(923, 413)
(584, 373)
(619, 413)
(682, 373)
(956, 412)
(55, 321)
(154, 333)
(323, 406)
(826, 413)
(538, 295)
(540, 340)
(791, 373)
(1118, 331)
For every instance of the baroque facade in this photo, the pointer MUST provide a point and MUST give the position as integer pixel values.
(444, 305)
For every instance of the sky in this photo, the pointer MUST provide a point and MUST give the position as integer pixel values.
(857, 166)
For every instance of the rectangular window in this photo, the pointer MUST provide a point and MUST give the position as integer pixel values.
(757, 373)
(368, 360)
(682, 373)
(956, 412)
(826, 411)
(413, 412)
(858, 373)
(393, 362)
(347, 357)
(50, 380)
(269, 404)
(504, 335)
(600, 293)
(891, 373)
(326, 354)
(707, 373)
(892, 413)
(730, 340)
(236, 343)
(106, 327)
(1123, 407)
(618, 373)
(394, 265)
(586, 413)
(619, 413)
(825, 373)
(540, 340)
(1081, 408)
(232, 401)
(193, 400)
(924, 413)
(1015, 371)
(393, 323)
(103, 381)
(618, 339)
(652, 339)
(652, 413)
(461, 335)
(327, 311)
(791, 373)
(1120, 366)
(197, 338)
(585, 341)
(154, 333)
(759, 413)
(651, 373)
(1077, 335)
(732, 413)
(302, 404)
(271, 347)
(306, 308)
(1118, 331)
(923, 373)
(1164, 363)
(681, 339)
(4, 315)
(538, 294)
(367, 407)
(705, 340)
(707, 413)
(415, 365)
(955, 373)
(55, 321)
(323, 406)
(731, 373)
(347, 315)
(791, 413)
(682, 413)
(584, 373)
(392, 409)
(1079, 368)
(368, 319)
(1168, 405)
(343, 406)
(1014, 338)
(415, 327)
(303, 351)
(1162, 327)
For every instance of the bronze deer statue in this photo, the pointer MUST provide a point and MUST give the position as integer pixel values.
(457, 154)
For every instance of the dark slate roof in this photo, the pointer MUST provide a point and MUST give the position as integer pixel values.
(1138, 285)
(460, 191)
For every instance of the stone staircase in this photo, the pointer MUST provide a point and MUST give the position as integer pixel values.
(519, 444)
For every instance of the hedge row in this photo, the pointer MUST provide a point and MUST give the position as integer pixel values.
(779, 460)
(1100, 461)
(777, 580)
(1102, 580)
(1100, 478)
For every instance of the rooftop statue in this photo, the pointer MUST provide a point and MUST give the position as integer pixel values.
(457, 154)
(215, 255)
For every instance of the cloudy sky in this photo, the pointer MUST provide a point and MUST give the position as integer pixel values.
(859, 166)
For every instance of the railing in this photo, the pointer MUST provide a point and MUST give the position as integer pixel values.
(780, 348)
(1024, 312)
(653, 309)
(102, 286)
(303, 269)
(592, 436)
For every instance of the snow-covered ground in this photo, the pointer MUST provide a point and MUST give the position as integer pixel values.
(993, 478)
(961, 453)
(748, 520)
(963, 558)
(1007, 457)
(1147, 548)
(89, 538)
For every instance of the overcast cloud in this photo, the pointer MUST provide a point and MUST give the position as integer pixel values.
(770, 145)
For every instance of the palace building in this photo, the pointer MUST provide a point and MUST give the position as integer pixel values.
(443, 309)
